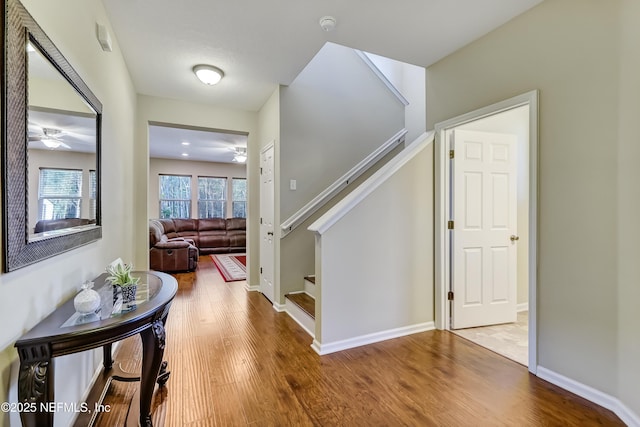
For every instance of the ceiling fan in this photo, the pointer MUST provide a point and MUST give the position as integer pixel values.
(50, 137)
(240, 155)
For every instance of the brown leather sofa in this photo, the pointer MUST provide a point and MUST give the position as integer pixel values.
(169, 240)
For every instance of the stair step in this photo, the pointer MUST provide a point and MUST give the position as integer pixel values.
(304, 301)
(310, 278)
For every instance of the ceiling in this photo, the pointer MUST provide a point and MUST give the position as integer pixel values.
(262, 44)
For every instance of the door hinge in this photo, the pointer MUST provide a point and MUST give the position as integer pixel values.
(450, 225)
(260, 220)
(260, 270)
(451, 154)
(450, 296)
(260, 171)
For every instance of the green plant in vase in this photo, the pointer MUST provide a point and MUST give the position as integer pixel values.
(121, 278)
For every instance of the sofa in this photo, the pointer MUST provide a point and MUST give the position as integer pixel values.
(58, 224)
(175, 244)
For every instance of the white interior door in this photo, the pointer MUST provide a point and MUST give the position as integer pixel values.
(484, 237)
(266, 222)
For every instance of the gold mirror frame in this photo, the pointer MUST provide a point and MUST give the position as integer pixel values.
(19, 29)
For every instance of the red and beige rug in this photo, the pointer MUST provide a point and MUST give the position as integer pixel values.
(231, 267)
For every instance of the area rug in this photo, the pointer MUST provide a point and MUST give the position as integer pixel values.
(231, 267)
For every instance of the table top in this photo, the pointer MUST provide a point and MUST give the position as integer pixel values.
(155, 291)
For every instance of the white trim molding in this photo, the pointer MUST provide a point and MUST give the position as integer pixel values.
(332, 347)
(441, 200)
(591, 394)
(382, 77)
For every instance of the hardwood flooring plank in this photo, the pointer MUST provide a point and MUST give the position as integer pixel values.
(235, 361)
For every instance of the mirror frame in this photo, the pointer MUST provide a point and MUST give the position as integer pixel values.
(20, 28)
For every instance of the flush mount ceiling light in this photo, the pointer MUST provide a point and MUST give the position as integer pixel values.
(208, 74)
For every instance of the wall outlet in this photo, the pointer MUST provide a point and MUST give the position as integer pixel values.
(292, 184)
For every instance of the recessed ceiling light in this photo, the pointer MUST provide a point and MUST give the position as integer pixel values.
(186, 143)
(208, 74)
(185, 154)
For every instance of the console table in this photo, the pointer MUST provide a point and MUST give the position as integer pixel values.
(65, 332)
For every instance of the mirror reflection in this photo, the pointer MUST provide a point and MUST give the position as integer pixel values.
(61, 153)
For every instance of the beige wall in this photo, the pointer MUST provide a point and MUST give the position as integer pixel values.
(367, 276)
(168, 111)
(568, 49)
(193, 169)
(31, 293)
(629, 207)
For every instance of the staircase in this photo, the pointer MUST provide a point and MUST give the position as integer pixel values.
(301, 306)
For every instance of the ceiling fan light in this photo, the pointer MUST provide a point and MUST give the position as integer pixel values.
(50, 143)
(208, 74)
(240, 158)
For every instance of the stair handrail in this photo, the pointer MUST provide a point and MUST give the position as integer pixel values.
(322, 224)
(327, 194)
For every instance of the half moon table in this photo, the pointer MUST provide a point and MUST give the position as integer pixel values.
(65, 332)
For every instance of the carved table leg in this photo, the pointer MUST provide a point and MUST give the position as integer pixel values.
(107, 357)
(153, 342)
(35, 390)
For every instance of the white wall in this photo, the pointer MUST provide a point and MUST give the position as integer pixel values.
(569, 50)
(194, 169)
(168, 111)
(334, 114)
(374, 266)
(31, 293)
(515, 122)
(410, 81)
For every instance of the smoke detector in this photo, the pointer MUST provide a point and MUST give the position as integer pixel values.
(328, 23)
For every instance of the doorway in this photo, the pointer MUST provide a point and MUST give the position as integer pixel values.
(516, 119)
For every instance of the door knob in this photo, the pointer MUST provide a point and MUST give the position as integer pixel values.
(270, 233)
(513, 238)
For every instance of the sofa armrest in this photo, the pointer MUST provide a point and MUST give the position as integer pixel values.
(172, 244)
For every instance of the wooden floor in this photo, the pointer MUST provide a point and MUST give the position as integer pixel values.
(236, 362)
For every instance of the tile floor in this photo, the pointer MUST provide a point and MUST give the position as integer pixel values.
(510, 340)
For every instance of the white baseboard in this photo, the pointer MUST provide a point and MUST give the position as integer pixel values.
(279, 307)
(327, 348)
(522, 307)
(252, 288)
(596, 396)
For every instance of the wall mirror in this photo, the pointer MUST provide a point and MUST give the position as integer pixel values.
(51, 147)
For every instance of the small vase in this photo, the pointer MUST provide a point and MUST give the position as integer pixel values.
(129, 294)
(87, 301)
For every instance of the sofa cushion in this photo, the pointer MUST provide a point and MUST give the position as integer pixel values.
(236, 224)
(169, 227)
(208, 224)
(186, 224)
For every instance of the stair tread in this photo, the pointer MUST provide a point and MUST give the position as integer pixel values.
(311, 279)
(305, 302)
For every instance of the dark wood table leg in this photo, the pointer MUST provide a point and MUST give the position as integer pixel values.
(153, 342)
(107, 357)
(35, 391)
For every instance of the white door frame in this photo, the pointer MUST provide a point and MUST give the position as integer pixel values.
(442, 253)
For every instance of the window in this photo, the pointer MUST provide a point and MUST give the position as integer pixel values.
(92, 194)
(175, 196)
(212, 197)
(59, 193)
(239, 197)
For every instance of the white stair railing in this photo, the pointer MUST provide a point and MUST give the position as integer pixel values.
(321, 199)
